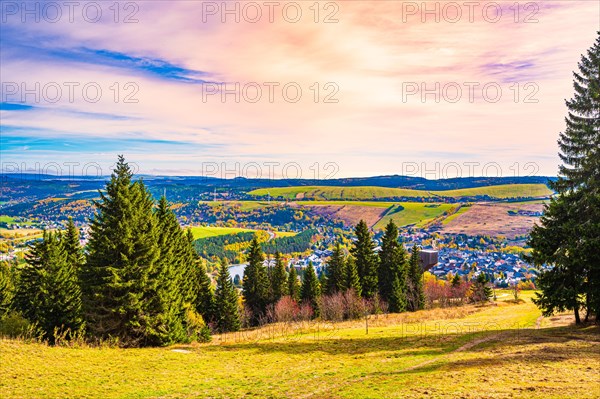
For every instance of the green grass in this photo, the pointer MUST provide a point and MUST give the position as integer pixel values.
(371, 192)
(461, 210)
(417, 213)
(501, 191)
(6, 219)
(469, 352)
(207, 231)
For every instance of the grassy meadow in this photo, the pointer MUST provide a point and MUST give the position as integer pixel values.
(369, 192)
(505, 350)
(210, 231)
(417, 213)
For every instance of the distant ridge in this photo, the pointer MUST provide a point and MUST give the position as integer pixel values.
(390, 181)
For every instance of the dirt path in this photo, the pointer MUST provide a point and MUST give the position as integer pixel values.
(468, 346)
(462, 348)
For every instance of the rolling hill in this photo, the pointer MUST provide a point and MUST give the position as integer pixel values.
(374, 192)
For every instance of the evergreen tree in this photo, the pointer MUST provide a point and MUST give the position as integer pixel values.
(205, 298)
(456, 281)
(7, 287)
(567, 237)
(415, 293)
(256, 283)
(481, 289)
(311, 290)
(352, 279)
(48, 293)
(165, 298)
(73, 247)
(226, 301)
(279, 283)
(366, 260)
(122, 256)
(293, 286)
(392, 270)
(336, 271)
(190, 265)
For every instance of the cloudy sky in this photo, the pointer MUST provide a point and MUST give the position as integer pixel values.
(346, 88)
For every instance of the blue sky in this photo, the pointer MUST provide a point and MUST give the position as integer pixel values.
(177, 91)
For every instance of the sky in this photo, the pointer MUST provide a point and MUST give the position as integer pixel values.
(289, 89)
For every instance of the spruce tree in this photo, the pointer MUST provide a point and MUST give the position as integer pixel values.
(567, 237)
(481, 289)
(293, 285)
(7, 287)
(256, 283)
(227, 315)
(366, 260)
(122, 255)
(352, 279)
(311, 289)
(392, 270)
(336, 271)
(72, 246)
(205, 298)
(456, 281)
(415, 293)
(279, 283)
(48, 294)
(165, 299)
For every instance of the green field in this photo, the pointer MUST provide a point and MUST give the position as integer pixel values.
(460, 211)
(207, 231)
(418, 213)
(6, 219)
(502, 351)
(369, 192)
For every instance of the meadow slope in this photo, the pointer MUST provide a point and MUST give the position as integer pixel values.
(371, 192)
(498, 351)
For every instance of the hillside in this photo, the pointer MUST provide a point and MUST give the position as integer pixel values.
(501, 351)
(372, 192)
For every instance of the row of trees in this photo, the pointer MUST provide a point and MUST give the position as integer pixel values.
(391, 276)
(139, 282)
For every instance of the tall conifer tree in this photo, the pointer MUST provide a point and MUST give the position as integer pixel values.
(256, 283)
(366, 260)
(567, 237)
(415, 294)
(293, 284)
(48, 293)
(122, 255)
(311, 289)
(279, 283)
(352, 279)
(392, 270)
(226, 301)
(336, 271)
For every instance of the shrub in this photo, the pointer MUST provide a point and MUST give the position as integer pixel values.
(14, 325)
(333, 307)
(355, 306)
(197, 328)
(286, 310)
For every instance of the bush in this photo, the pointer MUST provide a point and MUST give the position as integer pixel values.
(286, 310)
(14, 325)
(355, 306)
(332, 307)
(196, 327)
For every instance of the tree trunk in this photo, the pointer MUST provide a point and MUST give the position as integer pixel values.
(577, 318)
(587, 307)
